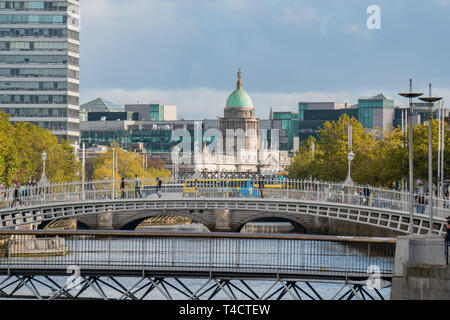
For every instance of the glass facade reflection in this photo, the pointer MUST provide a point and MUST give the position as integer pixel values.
(39, 64)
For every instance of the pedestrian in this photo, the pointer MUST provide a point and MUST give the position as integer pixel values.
(16, 197)
(261, 187)
(137, 187)
(122, 188)
(420, 198)
(158, 187)
(366, 195)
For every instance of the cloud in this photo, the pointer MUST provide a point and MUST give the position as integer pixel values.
(355, 30)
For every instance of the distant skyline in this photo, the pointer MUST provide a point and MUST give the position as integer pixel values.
(187, 52)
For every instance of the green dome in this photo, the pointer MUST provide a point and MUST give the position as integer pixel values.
(239, 98)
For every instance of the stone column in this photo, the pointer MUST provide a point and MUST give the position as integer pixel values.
(105, 221)
(222, 220)
(420, 270)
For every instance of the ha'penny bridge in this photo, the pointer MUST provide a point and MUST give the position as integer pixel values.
(141, 265)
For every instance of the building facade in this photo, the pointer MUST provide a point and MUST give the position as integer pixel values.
(39, 64)
(153, 111)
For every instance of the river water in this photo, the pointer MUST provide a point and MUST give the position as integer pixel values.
(325, 290)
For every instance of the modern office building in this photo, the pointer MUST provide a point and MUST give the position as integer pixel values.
(289, 129)
(376, 112)
(39, 64)
(98, 105)
(153, 111)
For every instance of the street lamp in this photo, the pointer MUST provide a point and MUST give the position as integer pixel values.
(43, 181)
(350, 157)
(410, 95)
(430, 101)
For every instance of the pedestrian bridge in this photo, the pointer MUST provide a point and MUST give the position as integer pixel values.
(228, 206)
(144, 265)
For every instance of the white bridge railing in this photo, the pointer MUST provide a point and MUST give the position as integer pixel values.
(322, 192)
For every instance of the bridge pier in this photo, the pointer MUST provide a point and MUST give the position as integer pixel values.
(420, 270)
(222, 220)
(105, 221)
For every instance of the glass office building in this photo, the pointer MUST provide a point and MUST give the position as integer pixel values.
(289, 129)
(376, 112)
(39, 64)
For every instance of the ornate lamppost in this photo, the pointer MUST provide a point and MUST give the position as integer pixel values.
(349, 182)
(430, 101)
(44, 180)
(410, 95)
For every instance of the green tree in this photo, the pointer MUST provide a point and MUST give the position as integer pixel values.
(303, 166)
(129, 164)
(21, 147)
(381, 158)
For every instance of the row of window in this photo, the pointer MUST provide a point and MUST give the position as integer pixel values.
(32, 46)
(32, 59)
(39, 32)
(35, 72)
(57, 126)
(41, 112)
(38, 86)
(34, 5)
(29, 19)
(38, 99)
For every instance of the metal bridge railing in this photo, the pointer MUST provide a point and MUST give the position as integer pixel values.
(288, 189)
(245, 254)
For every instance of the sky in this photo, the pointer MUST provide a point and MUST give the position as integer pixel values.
(187, 52)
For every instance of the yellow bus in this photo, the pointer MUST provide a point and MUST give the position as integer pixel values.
(241, 188)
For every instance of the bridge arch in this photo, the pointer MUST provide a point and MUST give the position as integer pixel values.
(298, 224)
(132, 222)
(79, 224)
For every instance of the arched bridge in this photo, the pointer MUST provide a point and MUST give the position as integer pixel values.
(219, 205)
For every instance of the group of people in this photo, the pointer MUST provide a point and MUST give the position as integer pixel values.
(138, 187)
(19, 191)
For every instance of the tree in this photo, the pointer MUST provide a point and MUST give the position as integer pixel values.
(303, 165)
(21, 147)
(129, 164)
(381, 157)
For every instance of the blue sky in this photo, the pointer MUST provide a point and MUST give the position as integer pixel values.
(187, 52)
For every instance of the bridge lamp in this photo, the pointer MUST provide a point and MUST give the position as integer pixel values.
(411, 95)
(350, 157)
(43, 181)
(431, 100)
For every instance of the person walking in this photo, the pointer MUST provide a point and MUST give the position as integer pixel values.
(420, 198)
(366, 195)
(137, 187)
(158, 187)
(16, 197)
(261, 187)
(122, 188)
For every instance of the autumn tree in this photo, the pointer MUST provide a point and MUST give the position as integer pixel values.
(21, 148)
(129, 164)
(381, 157)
